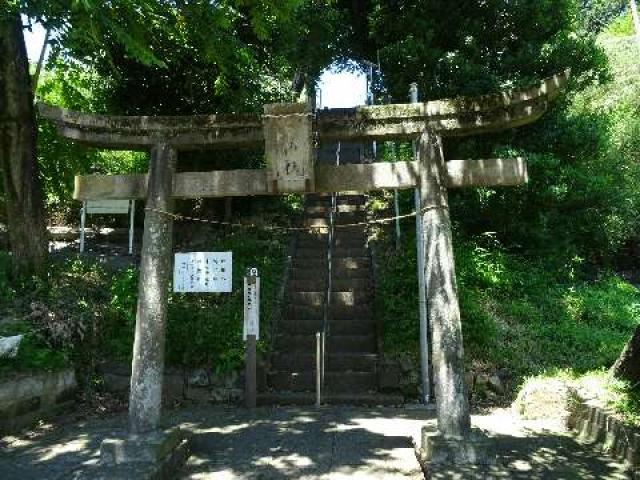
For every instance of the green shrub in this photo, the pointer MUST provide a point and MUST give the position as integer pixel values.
(517, 314)
(202, 329)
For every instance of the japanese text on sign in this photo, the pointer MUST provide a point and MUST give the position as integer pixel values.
(251, 304)
(202, 272)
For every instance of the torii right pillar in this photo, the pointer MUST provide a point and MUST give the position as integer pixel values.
(453, 442)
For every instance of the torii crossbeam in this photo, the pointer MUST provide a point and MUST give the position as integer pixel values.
(287, 131)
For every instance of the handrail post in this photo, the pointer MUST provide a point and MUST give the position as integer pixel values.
(83, 219)
(318, 369)
(425, 382)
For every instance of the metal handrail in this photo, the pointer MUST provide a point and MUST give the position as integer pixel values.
(321, 336)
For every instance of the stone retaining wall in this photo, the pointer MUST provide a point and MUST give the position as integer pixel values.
(26, 399)
(595, 426)
(198, 385)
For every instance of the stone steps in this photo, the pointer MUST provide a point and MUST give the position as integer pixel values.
(338, 299)
(337, 285)
(314, 312)
(325, 200)
(306, 343)
(335, 382)
(351, 370)
(335, 362)
(343, 275)
(341, 221)
(339, 264)
(320, 241)
(337, 253)
(337, 326)
(320, 209)
(309, 398)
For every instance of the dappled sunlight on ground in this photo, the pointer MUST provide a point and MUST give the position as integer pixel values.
(330, 443)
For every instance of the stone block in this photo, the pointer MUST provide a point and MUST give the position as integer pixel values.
(475, 449)
(173, 388)
(9, 346)
(545, 399)
(156, 456)
(65, 396)
(116, 383)
(28, 387)
(152, 447)
(27, 405)
(495, 385)
(197, 394)
(199, 378)
(390, 377)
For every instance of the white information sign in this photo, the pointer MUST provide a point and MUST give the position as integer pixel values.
(107, 206)
(251, 304)
(202, 272)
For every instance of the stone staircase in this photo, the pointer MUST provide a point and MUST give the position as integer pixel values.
(351, 344)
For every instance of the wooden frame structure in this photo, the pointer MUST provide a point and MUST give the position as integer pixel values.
(288, 130)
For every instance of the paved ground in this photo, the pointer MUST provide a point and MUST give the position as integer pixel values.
(330, 443)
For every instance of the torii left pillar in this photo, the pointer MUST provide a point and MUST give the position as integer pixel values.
(146, 442)
(147, 369)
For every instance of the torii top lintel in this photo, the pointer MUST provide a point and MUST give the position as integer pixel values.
(455, 117)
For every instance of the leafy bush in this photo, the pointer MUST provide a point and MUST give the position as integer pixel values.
(517, 314)
(84, 312)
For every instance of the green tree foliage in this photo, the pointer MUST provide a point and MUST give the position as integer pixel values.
(227, 56)
(583, 197)
(71, 85)
(87, 23)
(468, 48)
(596, 15)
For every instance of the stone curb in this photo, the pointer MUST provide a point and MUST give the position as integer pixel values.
(29, 398)
(595, 426)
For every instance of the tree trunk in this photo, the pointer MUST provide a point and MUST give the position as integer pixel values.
(627, 367)
(22, 187)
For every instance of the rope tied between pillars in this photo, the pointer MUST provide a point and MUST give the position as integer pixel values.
(378, 221)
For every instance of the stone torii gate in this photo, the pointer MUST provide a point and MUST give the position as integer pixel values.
(288, 131)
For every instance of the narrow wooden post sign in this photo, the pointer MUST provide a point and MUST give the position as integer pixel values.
(251, 333)
(251, 304)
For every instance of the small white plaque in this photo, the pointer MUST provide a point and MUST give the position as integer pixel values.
(251, 305)
(107, 206)
(202, 272)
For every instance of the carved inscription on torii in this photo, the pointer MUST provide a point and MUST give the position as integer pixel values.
(287, 133)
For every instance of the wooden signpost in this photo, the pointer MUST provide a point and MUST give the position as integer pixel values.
(286, 131)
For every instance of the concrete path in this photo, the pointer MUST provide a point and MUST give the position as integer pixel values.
(331, 443)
